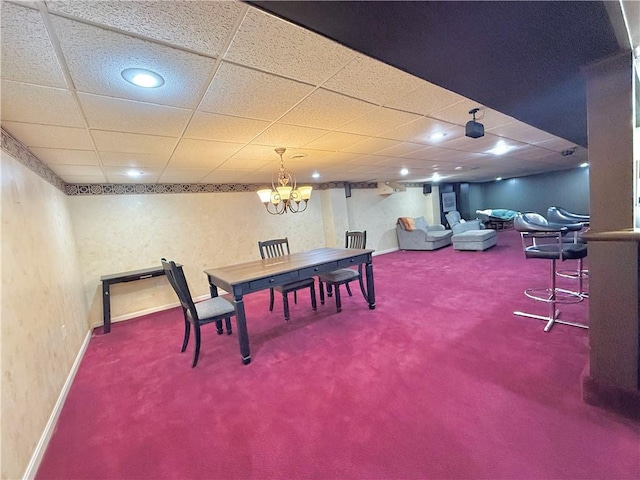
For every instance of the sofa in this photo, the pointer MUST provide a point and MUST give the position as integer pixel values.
(417, 234)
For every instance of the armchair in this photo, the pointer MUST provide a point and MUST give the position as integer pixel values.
(417, 234)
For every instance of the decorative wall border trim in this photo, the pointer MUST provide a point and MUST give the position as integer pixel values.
(151, 188)
(21, 153)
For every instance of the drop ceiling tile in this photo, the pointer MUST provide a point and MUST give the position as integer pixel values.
(325, 109)
(200, 26)
(123, 159)
(459, 114)
(62, 170)
(49, 136)
(335, 141)
(426, 99)
(96, 58)
(133, 143)
(530, 152)
(81, 179)
(424, 165)
(66, 157)
(248, 165)
(401, 149)
(288, 135)
(426, 152)
(421, 131)
(218, 176)
(245, 92)
(339, 158)
(183, 175)
(371, 80)
(118, 115)
(34, 104)
(257, 177)
(366, 160)
(478, 145)
(259, 152)
(557, 144)
(446, 155)
(202, 154)
(273, 45)
(371, 145)
(377, 121)
(27, 53)
(225, 128)
(521, 132)
(120, 175)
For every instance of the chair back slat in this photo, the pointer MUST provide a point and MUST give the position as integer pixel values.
(176, 278)
(274, 248)
(355, 239)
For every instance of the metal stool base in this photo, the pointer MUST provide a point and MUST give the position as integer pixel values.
(550, 320)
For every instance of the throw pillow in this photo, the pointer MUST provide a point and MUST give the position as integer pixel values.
(407, 223)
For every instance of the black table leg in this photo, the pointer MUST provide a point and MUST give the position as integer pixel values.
(243, 334)
(106, 308)
(371, 293)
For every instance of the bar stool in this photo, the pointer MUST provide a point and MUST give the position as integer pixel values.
(544, 240)
(576, 223)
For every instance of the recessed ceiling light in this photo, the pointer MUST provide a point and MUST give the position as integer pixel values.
(404, 171)
(438, 136)
(134, 173)
(584, 165)
(458, 168)
(498, 179)
(315, 175)
(142, 78)
(500, 149)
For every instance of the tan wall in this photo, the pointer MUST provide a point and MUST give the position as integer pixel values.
(41, 293)
(117, 233)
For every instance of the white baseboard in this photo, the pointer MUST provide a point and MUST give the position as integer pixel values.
(388, 250)
(148, 311)
(36, 458)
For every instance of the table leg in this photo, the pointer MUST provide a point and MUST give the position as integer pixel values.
(371, 293)
(213, 289)
(106, 308)
(243, 334)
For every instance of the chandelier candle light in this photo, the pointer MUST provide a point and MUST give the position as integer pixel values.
(284, 196)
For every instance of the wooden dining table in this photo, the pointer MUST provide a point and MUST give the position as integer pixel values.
(249, 277)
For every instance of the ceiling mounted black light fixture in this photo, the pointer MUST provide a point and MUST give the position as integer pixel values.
(474, 129)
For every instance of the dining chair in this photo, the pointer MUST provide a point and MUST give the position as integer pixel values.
(211, 310)
(277, 248)
(343, 276)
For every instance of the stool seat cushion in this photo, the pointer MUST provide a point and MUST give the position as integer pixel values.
(570, 251)
(477, 240)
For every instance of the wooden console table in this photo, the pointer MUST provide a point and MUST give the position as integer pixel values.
(108, 280)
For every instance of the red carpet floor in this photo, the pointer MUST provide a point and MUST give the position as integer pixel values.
(440, 381)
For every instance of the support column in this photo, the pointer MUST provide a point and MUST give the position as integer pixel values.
(611, 379)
